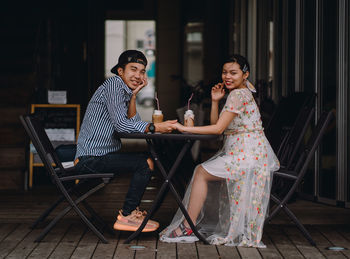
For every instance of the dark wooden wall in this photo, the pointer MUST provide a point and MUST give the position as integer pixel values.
(43, 47)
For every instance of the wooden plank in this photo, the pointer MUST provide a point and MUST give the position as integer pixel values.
(322, 243)
(13, 136)
(166, 250)
(228, 252)
(270, 251)
(207, 251)
(69, 242)
(282, 243)
(248, 252)
(12, 157)
(26, 246)
(86, 246)
(344, 231)
(303, 245)
(10, 115)
(123, 250)
(106, 250)
(11, 179)
(49, 243)
(335, 238)
(6, 229)
(186, 251)
(13, 239)
(148, 240)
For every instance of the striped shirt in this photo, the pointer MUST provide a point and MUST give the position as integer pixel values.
(105, 114)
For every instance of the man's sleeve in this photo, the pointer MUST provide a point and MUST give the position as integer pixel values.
(118, 111)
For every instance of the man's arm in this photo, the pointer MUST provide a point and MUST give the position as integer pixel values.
(118, 110)
(132, 106)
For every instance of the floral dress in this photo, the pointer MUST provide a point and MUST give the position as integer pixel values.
(235, 208)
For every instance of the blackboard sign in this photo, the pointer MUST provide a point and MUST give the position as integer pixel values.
(62, 125)
(58, 116)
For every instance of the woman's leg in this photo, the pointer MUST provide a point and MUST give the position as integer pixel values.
(198, 194)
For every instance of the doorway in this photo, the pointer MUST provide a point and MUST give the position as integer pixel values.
(121, 35)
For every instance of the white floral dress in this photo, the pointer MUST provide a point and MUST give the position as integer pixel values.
(235, 209)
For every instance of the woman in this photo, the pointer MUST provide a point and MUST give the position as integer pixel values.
(229, 194)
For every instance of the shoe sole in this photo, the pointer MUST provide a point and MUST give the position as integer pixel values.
(182, 239)
(122, 227)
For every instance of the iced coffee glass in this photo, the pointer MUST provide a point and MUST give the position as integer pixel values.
(157, 116)
(189, 118)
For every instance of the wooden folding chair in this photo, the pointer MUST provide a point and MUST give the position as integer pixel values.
(296, 175)
(291, 143)
(285, 116)
(75, 194)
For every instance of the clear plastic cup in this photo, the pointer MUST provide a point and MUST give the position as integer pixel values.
(189, 118)
(157, 116)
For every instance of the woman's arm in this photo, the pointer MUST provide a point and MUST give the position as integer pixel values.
(217, 128)
(214, 112)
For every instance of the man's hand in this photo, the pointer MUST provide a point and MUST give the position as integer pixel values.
(165, 126)
(143, 83)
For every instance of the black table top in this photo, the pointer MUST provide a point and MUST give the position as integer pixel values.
(170, 136)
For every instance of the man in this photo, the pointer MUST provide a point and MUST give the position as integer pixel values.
(113, 108)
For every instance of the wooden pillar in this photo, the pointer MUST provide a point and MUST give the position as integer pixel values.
(169, 55)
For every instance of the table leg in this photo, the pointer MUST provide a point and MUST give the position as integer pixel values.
(167, 181)
(168, 177)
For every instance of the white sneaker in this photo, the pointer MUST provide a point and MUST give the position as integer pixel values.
(186, 236)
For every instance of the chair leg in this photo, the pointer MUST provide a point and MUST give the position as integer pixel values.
(299, 225)
(82, 215)
(47, 212)
(291, 215)
(79, 212)
(278, 207)
(96, 217)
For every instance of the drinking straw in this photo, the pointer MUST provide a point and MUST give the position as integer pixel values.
(188, 103)
(157, 100)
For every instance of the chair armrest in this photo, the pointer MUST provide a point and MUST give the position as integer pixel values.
(86, 176)
(292, 175)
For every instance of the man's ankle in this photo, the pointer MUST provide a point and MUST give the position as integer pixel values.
(125, 212)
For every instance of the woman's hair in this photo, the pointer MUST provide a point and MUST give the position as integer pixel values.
(240, 60)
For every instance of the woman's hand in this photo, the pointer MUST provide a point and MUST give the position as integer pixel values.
(217, 92)
(179, 127)
(144, 82)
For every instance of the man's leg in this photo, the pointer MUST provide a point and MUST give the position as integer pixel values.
(139, 181)
(117, 163)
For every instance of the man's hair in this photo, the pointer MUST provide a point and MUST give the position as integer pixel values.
(129, 56)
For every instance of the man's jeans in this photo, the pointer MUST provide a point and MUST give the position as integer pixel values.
(118, 163)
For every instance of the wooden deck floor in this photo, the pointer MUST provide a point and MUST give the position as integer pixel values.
(329, 226)
(74, 241)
